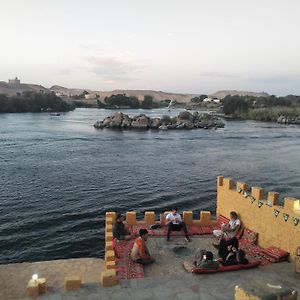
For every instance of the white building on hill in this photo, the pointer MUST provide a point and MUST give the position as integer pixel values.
(15, 81)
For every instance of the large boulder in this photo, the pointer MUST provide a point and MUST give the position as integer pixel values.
(166, 120)
(116, 120)
(99, 124)
(106, 122)
(155, 123)
(163, 127)
(140, 122)
(186, 116)
(280, 119)
(126, 122)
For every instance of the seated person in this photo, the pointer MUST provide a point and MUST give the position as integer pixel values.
(140, 252)
(175, 223)
(228, 251)
(120, 232)
(205, 260)
(230, 229)
(241, 257)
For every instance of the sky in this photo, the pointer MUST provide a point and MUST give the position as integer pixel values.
(188, 46)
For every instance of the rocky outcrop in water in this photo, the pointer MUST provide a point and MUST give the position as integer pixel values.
(288, 120)
(185, 120)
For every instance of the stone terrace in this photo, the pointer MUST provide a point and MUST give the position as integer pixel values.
(166, 279)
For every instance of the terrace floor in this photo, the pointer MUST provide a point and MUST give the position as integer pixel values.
(166, 279)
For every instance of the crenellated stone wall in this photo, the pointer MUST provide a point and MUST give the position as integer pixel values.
(276, 225)
(109, 273)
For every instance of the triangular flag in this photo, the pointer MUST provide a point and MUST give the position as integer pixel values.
(286, 217)
(260, 204)
(245, 194)
(276, 212)
(252, 199)
(295, 221)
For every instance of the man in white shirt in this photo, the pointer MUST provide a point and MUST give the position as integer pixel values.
(175, 223)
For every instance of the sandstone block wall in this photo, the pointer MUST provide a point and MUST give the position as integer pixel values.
(276, 225)
(109, 273)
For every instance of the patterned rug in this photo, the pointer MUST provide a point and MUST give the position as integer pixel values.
(126, 268)
(256, 253)
(192, 230)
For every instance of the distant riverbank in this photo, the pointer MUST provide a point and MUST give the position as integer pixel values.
(269, 109)
(33, 102)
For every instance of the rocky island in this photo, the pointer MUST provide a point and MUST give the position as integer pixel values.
(185, 120)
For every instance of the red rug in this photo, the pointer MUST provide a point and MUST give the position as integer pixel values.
(126, 268)
(256, 253)
(192, 230)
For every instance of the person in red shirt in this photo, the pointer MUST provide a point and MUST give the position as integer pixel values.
(140, 252)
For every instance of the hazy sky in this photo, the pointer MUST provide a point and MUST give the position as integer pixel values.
(191, 46)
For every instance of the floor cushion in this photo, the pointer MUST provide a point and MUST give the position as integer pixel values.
(248, 237)
(192, 269)
(276, 253)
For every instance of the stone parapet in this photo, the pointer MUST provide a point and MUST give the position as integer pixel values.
(109, 274)
(262, 213)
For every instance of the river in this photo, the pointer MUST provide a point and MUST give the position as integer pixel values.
(58, 175)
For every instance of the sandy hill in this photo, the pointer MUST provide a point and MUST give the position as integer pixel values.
(67, 91)
(224, 93)
(12, 90)
(157, 95)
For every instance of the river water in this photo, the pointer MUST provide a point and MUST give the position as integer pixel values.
(58, 175)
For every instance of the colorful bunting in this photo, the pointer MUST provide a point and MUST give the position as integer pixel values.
(276, 212)
(252, 199)
(260, 204)
(286, 217)
(245, 194)
(295, 221)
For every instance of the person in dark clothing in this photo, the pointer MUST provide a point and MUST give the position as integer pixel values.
(120, 232)
(241, 257)
(228, 251)
(205, 260)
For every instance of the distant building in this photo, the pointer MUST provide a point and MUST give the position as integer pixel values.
(15, 81)
(91, 96)
(211, 100)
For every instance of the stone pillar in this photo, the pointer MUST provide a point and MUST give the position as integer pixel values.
(131, 218)
(188, 217)
(149, 217)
